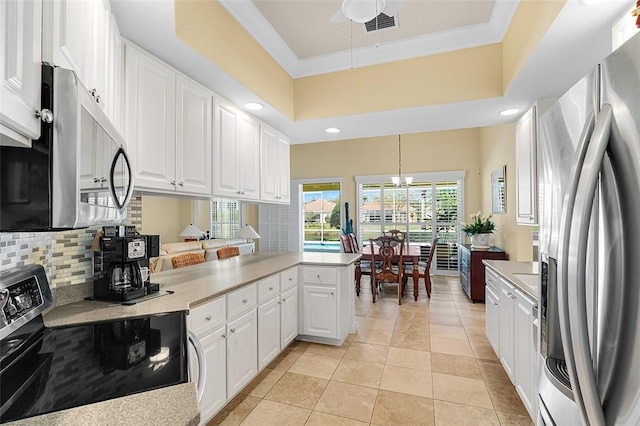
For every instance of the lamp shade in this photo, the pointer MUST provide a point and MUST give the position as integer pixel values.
(191, 231)
(248, 232)
(362, 11)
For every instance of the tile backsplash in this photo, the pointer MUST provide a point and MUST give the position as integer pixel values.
(66, 255)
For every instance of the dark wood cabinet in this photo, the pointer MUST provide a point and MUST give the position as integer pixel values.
(472, 269)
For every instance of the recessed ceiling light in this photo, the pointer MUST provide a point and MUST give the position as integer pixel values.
(253, 106)
(510, 111)
(332, 130)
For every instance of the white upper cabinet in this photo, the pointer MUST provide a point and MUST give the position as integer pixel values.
(168, 126)
(274, 168)
(236, 153)
(20, 73)
(194, 137)
(526, 177)
(82, 36)
(150, 111)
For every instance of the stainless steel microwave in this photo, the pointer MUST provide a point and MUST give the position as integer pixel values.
(76, 175)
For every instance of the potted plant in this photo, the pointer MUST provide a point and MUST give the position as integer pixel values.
(479, 229)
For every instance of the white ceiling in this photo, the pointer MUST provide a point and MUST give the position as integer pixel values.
(576, 41)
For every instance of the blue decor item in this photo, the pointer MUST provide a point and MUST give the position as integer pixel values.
(348, 229)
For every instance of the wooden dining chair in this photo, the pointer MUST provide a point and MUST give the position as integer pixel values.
(349, 244)
(424, 267)
(389, 266)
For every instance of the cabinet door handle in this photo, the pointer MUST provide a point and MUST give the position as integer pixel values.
(270, 288)
(96, 180)
(284, 299)
(495, 304)
(173, 182)
(98, 99)
(332, 293)
(245, 301)
(103, 180)
(45, 115)
(318, 276)
(208, 318)
(181, 184)
(233, 330)
(509, 294)
(290, 279)
(224, 336)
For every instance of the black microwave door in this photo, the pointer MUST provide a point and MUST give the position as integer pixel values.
(121, 179)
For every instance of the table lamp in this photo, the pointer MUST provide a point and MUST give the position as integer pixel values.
(248, 232)
(191, 233)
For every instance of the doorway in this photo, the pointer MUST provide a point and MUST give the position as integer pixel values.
(322, 216)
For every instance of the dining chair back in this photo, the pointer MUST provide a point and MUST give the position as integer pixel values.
(349, 244)
(424, 272)
(401, 235)
(187, 259)
(388, 252)
(226, 252)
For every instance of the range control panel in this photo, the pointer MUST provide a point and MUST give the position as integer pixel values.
(24, 293)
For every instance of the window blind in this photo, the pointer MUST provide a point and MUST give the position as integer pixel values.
(226, 218)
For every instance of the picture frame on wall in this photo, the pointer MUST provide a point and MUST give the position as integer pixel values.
(499, 190)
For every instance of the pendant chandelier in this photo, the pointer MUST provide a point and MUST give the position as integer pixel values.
(397, 180)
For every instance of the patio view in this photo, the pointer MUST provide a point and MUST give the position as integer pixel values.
(322, 217)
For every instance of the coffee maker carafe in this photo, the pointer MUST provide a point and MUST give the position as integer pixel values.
(121, 268)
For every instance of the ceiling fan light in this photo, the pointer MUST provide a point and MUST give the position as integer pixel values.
(362, 11)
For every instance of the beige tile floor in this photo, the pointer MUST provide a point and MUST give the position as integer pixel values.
(421, 363)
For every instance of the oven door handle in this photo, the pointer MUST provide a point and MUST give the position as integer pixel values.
(202, 363)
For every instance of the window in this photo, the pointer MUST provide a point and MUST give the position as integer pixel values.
(382, 207)
(226, 218)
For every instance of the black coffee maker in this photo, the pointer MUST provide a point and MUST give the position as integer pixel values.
(121, 268)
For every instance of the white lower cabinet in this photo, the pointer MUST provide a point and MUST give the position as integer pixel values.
(507, 329)
(525, 352)
(492, 312)
(319, 311)
(288, 316)
(268, 332)
(242, 352)
(511, 330)
(214, 395)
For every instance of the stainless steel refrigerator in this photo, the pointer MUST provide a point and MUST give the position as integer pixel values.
(589, 194)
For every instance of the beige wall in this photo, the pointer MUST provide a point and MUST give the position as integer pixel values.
(529, 24)
(462, 75)
(166, 216)
(421, 152)
(209, 29)
(474, 73)
(497, 149)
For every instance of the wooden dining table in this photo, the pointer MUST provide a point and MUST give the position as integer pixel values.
(411, 254)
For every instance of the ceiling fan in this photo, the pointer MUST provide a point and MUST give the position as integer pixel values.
(362, 11)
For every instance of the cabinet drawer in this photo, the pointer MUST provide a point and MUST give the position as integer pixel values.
(268, 288)
(320, 276)
(241, 301)
(491, 279)
(205, 318)
(288, 279)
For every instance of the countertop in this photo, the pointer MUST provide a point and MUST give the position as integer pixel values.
(510, 269)
(173, 405)
(192, 286)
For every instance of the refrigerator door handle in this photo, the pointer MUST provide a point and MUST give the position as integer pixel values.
(563, 255)
(592, 412)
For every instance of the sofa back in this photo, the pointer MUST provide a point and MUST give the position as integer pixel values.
(206, 247)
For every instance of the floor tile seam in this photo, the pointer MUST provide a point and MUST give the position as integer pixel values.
(468, 405)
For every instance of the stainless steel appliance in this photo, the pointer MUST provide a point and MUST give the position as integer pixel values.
(51, 369)
(76, 175)
(121, 267)
(589, 186)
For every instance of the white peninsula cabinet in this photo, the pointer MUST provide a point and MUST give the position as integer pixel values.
(236, 153)
(511, 330)
(327, 304)
(168, 124)
(20, 73)
(240, 334)
(275, 167)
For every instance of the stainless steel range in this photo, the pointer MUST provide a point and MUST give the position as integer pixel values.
(44, 370)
